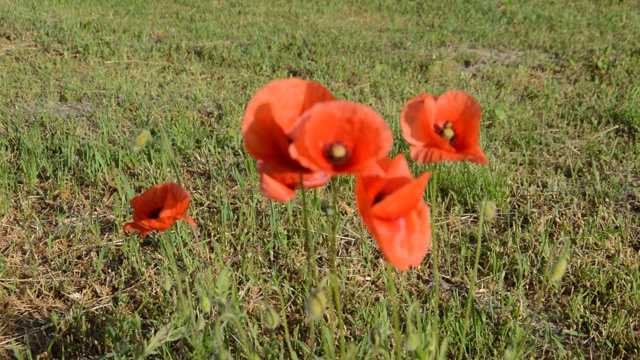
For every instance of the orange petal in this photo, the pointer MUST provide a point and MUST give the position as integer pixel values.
(417, 118)
(133, 226)
(361, 130)
(402, 200)
(281, 186)
(275, 190)
(272, 113)
(464, 113)
(405, 241)
(427, 155)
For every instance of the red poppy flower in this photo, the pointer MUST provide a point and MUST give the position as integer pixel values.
(392, 208)
(159, 208)
(341, 137)
(443, 129)
(268, 119)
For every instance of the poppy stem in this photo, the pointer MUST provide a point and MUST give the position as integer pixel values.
(169, 149)
(174, 167)
(434, 255)
(332, 265)
(311, 272)
(472, 285)
(394, 309)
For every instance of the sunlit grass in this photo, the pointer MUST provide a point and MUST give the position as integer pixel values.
(558, 84)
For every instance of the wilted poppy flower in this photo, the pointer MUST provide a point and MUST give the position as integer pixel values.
(446, 128)
(159, 208)
(392, 208)
(341, 137)
(268, 119)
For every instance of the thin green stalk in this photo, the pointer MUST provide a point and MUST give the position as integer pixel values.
(174, 167)
(169, 149)
(311, 268)
(472, 285)
(394, 308)
(434, 252)
(311, 272)
(332, 266)
(285, 325)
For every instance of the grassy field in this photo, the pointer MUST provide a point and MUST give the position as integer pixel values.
(559, 85)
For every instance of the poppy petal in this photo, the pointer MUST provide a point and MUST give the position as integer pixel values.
(362, 134)
(158, 208)
(427, 155)
(402, 200)
(275, 190)
(133, 226)
(405, 241)
(280, 186)
(271, 114)
(417, 118)
(424, 117)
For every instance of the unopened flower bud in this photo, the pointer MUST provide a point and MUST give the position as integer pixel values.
(141, 140)
(489, 210)
(558, 269)
(271, 318)
(413, 341)
(375, 335)
(205, 302)
(316, 304)
(167, 284)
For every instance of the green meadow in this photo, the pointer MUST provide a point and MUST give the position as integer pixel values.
(558, 275)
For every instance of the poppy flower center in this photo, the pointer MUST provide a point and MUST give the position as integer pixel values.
(155, 213)
(337, 153)
(446, 131)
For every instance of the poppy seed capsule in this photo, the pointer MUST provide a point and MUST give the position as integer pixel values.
(337, 153)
